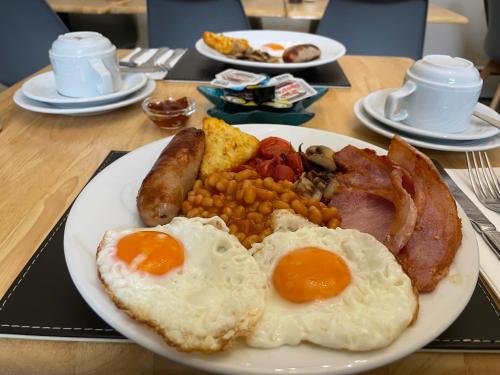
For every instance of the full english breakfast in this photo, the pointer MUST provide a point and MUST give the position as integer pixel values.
(259, 240)
(270, 52)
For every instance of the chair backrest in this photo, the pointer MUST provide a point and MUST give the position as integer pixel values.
(180, 23)
(377, 27)
(27, 30)
(492, 41)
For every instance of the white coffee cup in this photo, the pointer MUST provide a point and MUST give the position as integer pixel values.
(439, 94)
(85, 65)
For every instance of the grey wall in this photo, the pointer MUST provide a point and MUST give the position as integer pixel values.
(456, 39)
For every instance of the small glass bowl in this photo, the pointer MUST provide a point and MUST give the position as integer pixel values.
(165, 118)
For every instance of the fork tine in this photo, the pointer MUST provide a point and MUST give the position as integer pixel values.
(493, 177)
(488, 187)
(481, 193)
(485, 188)
(472, 175)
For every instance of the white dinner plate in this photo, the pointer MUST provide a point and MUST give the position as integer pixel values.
(331, 50)
(43, 89)
(109, 201)
(374, 105)
(430, 143)
(36, 106)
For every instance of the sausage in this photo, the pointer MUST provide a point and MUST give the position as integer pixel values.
(301, 53)
(170, 179)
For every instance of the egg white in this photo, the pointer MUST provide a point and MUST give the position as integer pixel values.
(218, 293)
(370, 313)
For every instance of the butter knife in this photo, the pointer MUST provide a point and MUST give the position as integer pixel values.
(142, 69)
(478, 220)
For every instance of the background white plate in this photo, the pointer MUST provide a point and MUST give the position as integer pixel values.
(43, 88)
(108, 201)
(36, 106)
(479, 129)
(430, 143)
(331, 50)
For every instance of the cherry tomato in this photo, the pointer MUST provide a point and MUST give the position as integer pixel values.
(266, 168)
(273, 146)
(294, 161)
(283, 172)
(254, 162)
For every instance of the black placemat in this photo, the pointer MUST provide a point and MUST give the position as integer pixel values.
(43, 301)
(195, 67)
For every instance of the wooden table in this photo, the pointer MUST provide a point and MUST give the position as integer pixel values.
(308, 9)
(314, 9)
(253, 8)
(47, 159)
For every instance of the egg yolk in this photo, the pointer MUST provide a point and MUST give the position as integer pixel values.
(274, 46)
(158, 251)
(309, 274)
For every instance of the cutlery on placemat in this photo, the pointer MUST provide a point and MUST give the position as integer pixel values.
(148, 66)
(479, 221)
(128, 66)
(487, 118)
(152, 61)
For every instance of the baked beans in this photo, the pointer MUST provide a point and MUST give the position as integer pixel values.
(245, 202)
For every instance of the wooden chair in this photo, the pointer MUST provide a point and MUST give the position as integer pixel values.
(492, 46)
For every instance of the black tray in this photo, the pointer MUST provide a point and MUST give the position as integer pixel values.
(195, 67)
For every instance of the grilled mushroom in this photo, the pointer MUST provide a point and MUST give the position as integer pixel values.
(322, 156)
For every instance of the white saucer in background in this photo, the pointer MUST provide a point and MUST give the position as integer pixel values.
(430, 143)
(479, 129)
(36, 106)
(42, 88)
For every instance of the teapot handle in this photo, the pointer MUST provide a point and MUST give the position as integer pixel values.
(393, 99)
(106, 85)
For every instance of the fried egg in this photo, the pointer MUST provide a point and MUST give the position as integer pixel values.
(190, 280)
(337, 288)
(274, 49)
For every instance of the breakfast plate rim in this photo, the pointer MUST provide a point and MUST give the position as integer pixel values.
(428, 143)
(209, 52)
(141, 79)
(85, 279)
(374, 111)
(35, 106)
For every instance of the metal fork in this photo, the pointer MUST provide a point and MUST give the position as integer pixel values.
(484, 181)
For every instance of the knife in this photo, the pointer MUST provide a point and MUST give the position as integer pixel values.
(479, 222)
(142, 69)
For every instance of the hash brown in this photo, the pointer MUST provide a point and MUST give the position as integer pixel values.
(226, 147)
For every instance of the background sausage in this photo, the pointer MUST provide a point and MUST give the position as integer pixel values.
(301, 53)
(172, 176)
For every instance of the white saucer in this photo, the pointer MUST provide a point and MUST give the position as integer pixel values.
(430, 143)
(36, 106)
(479, 129)
(42, 88)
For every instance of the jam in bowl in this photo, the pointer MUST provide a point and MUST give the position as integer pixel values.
(169, 113)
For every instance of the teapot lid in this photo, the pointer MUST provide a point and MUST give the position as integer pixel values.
(80, 44)
(446, 71)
